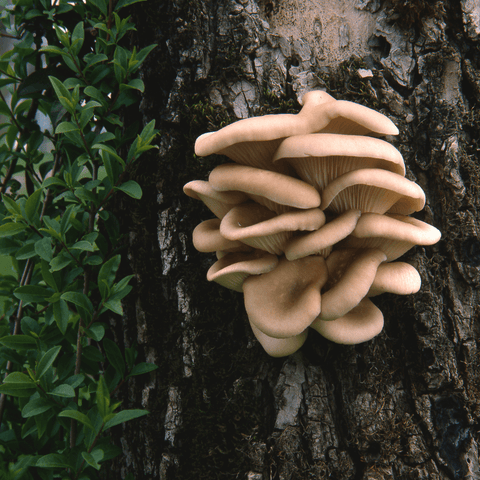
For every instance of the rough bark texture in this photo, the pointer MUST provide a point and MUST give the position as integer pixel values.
(405, 405)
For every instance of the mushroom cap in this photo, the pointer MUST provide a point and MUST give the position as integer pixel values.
(352, 274)
(232, 269)
(252, 141)
(319, 158)
(360, 324)
(354, 119)
(259, 227)
(373, 190)
(393, 234)
(207, 238)
(279, 188)
(279, 347)
(218, 202)
(321, 241)
(285, 301)
(399, 277)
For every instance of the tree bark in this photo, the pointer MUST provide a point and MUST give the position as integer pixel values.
(404, 405)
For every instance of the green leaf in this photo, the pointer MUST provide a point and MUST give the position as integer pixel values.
(125, 3)
(63, 390)
(79, 299)
(110, 150)
(132, 189)
(36, 406)
(142, 368)
(18, 342)
(10, 229)
(43, 248)
(84, 246)
(78, 416)
(46, 362)
(61, 315)
(18, 384)
(47, 276)
(96, 331)
(60, 262)
(106, 275)
(137, 84)
(32, 204)
(125, 416)
(102, 5)
(114, 356)
(88, 457)
(114, 305)
(53, 460)
(26, 252)
(103, 398)
(11, 205)
(53, 49)
(31, 293)
(65, 127)
(78, 37)
(63, 95)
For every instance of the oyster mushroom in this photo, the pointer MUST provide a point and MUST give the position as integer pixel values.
(359, 325)
(285, 301)
(373, 190)
(259, 227)
(233, 268)
(321, 241)
(274, 190)
(279, 347)
(398, 277)
(320, 158)
(351, 274)
(393, 234)
(218, 202)
(252, 141)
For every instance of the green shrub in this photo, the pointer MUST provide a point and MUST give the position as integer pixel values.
(64, 155)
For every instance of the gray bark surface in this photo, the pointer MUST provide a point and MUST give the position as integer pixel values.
(405, 405)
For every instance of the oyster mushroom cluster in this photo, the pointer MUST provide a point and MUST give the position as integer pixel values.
(310, 220)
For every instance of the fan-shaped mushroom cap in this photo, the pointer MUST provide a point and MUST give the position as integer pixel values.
(319, 158)
(252, 141)
(264, 186)
(207, 238)
(259, 227)
(359, 325)
(218, 202)
(393, 234)
(232, 269)
(373, 190)
(352, 274)
(399, 277)
(351, 118)
(285, 301)
(321, 241)
(279, 347)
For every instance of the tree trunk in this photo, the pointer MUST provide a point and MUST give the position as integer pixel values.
(404, 405)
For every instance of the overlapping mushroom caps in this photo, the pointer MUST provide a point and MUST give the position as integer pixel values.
(310, 219)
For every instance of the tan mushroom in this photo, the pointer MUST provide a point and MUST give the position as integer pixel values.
(373, 190)
(259, 227)
(321, 241)
(393, 234)
(360, 324)
(285, 301)
(218, 202)
(279, 347)
(351, 274)
(320, 158)
(232, 269)
(252, 141)
(207, 238)
(271, 189)
(398, 277)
